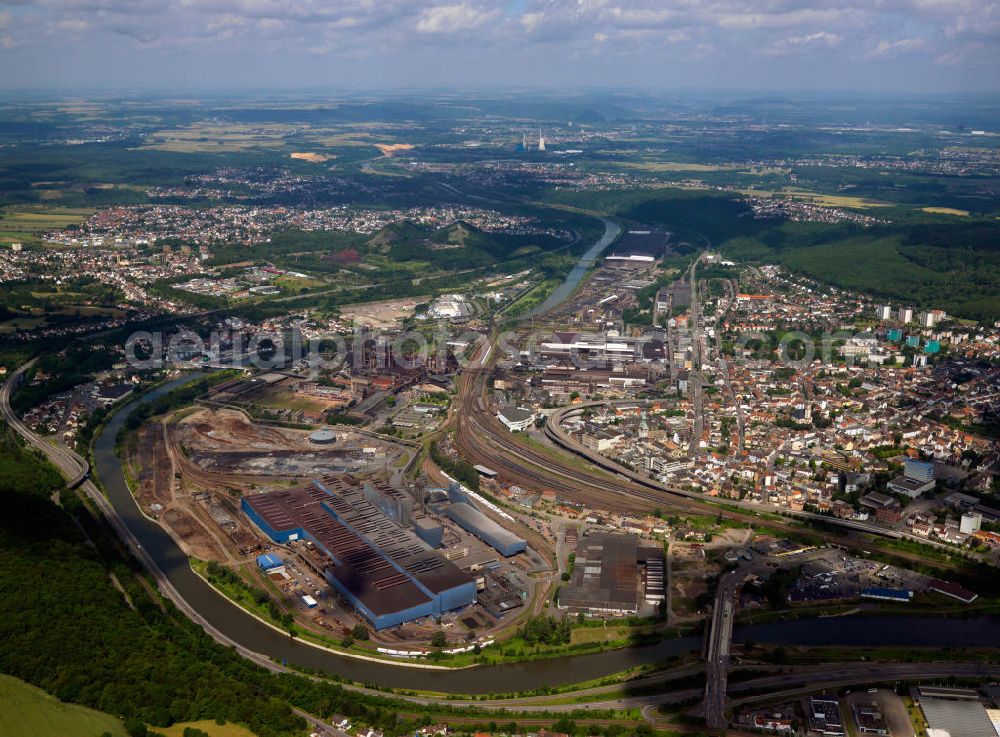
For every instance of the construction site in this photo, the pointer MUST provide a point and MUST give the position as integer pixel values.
(226, 442)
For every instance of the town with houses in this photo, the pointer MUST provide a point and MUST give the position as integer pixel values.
(670, 439)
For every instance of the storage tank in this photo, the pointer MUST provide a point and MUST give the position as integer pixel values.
(323, 437)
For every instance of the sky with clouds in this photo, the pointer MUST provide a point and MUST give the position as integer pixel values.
(865, 45)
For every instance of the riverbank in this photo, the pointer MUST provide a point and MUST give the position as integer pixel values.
(611, 232)
(516, 677)
(260, 637)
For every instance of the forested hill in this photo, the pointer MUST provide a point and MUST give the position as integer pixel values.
(66, 627)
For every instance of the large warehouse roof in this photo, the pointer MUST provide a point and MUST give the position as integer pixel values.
(486, 529)
(956, 718)
(604, 574)
(387, 568)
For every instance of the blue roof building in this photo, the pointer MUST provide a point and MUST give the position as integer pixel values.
(269, 561)
(497, 537)
(385, 571)
(919, 470)
(886, 594)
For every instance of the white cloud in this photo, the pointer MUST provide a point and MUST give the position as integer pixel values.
(730, 34)
(899, 46)
(72, 26)
(641, 17)
(810, 42)
(791, 19)
(453, 18)
(531, 21)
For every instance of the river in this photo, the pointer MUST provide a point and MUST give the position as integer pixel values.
(253, 634)
(980, 631)
(878, 631)
(579, 270)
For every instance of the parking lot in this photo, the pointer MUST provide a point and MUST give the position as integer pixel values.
(828, 574)
(889, 704)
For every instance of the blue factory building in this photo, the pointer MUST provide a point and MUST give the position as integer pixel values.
(384, 571)
(269, 562)
(429, 530)
(499, 538)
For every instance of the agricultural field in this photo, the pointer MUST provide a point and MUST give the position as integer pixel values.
(946, 211)
(209, 727)
(324, 142)
(212, 138)
(828, 200)
(817, 198)
(388, 149)
(682, 166)
(28, 224)
(310, 156)
(27, 711)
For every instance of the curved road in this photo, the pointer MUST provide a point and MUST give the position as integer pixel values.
(268, 647)
(236, 625)
(555, 433)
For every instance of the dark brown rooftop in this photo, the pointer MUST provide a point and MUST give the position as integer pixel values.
(385, 566)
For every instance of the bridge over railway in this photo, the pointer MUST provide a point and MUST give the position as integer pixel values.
(480, 438)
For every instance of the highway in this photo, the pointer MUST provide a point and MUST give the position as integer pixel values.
(796, 681)
(695, 377)
(75, 468)
(856, 674)
(724, 369)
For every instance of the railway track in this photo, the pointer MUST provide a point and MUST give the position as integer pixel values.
(480, 438)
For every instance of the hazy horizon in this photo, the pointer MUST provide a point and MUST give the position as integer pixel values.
(786, 46)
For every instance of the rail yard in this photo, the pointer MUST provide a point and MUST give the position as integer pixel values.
(575, 483)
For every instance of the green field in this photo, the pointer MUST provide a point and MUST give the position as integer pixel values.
(291, 283)
(27, 224)
(216, 138)
(207, 726)
(26, 711)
